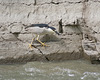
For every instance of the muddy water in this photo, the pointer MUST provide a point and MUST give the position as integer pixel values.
(69, 70)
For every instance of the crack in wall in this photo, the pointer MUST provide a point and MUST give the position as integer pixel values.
(52, 2)
(35, 3)
(28, 14)
(57, 3)
(60, 26)
(9, 4)
(95, 0)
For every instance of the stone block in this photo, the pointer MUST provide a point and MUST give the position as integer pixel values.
(97, 36)
(63, 1)
(12, 13)
(96, 28)
(50, 13)
(95, 0)
(92, 12)
(3, 29)
(73, 12)
(25, 37)
(17, 1)
(9, 37)
(47, 13)
(16, 28)
(43, 1)
(56, 1)
(98, 47)
(72, 29)
(89, 54)
(1, 39)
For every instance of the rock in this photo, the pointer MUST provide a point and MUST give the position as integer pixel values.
(98, 47)
(97, 36)
(32, 14)
(71, 29)
(12, 45)
(16, 28)
(25, 37)
(43, 2)
(17, 1)
(1, 39)
(72, 13)
(60, 1)
(3, 29)
(92, 14)
(93, 56)
(9, 37)
(80, 25)
(91, 51)
(56, 51)
(92, 24)
(48, 38)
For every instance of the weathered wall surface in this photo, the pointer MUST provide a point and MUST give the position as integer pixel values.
(79, 21)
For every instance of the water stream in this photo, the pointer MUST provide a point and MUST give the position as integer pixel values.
(69, 70)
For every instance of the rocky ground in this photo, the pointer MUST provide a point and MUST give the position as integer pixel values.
(78, 22)
(63, 47)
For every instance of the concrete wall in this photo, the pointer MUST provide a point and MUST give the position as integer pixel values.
(80, 20)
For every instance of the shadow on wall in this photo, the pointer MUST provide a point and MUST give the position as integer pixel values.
(50, 38)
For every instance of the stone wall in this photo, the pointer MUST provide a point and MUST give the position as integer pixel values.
(77, 20)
